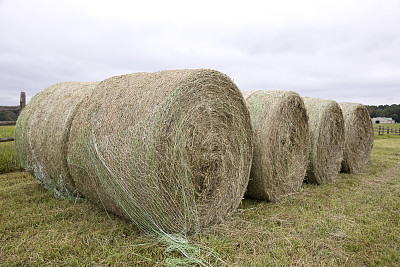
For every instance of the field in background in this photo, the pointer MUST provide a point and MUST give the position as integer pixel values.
(386, 125)
(355, 221)
(387, 129)
(8, 159)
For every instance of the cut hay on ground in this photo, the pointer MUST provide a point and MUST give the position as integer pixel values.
(359, 137)
(170, 150)
(281, 144)
(42, 131)
(327, 140)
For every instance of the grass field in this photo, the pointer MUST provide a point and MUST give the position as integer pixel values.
(8, 158)
(354, 222)
(391, 125)
(387, 125)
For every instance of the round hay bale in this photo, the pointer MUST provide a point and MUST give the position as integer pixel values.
(170, 150)
(42, 131)
(327, 140)
(281, 144)
(246, 94)
(359, 137)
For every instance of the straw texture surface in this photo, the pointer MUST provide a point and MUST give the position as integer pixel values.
(281, 144)
(359, 137)
(170, 150)
(327, 140)
(42, 132)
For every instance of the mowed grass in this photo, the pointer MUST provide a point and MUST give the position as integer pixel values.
(8, 158)
(354, 222)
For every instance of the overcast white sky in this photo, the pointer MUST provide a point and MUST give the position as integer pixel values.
(345, 50)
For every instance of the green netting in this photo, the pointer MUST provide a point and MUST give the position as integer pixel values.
(171, 151)
(42, 132)
(327, 140)
(281, 144)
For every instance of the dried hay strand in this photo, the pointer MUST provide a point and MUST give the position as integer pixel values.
(359, 137)
(42, 131)
(327, 140)
(169, 150)
(246, 94)
(281, 144)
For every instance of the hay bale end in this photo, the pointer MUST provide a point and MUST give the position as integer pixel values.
(281, 144)
(327, 140)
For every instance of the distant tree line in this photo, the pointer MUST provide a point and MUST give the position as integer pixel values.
(9, 115)
(388, 111)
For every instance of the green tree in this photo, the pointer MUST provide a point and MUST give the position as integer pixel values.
(9, 115)
(389, 111)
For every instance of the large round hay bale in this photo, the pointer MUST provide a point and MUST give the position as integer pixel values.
(170, 150)
(42, 132)
(281, 144)
(327, 140)
(359, 137)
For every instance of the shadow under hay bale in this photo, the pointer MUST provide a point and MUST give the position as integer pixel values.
(42, 132)
(327, 140)
(281, 144)
(359, 137)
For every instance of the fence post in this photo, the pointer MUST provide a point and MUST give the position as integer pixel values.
(22, 100)
(7, 139)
